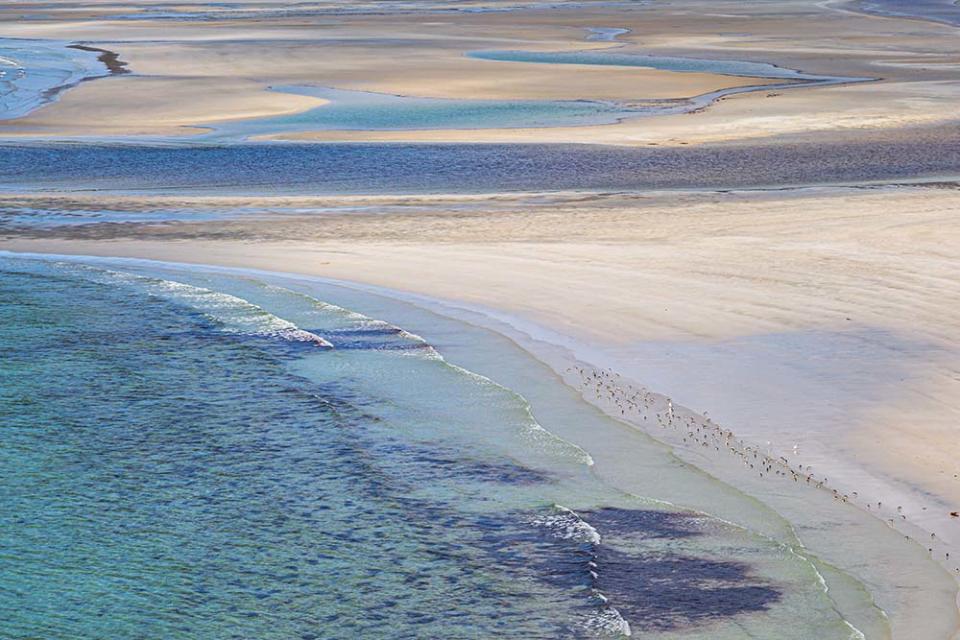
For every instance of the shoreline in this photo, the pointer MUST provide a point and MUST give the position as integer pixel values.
(563, 354)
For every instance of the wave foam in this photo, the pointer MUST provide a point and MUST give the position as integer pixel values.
(233, 314)
(566, 524)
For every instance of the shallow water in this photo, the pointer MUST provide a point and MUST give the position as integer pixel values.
(211, 11)
(473, 168)
(206, 455)
(793, 79)
(18, 217)
(605, 34)
(34, 72)
(616, 58)
(366, 111)
(944, 11)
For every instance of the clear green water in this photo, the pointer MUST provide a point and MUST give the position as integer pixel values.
(200, 455)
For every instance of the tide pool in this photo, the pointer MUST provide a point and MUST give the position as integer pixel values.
(605, 34)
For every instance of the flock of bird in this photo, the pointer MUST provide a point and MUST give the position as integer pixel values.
(644, 408)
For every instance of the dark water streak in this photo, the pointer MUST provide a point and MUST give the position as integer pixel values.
(941, 11)
(264, 169)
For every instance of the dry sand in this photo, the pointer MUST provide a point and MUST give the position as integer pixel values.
(163, 107)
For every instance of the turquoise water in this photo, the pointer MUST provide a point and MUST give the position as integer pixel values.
(33, 72)
(200, 455)
(666, 63)
(365, 111)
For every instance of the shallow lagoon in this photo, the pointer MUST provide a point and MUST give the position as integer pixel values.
(664, 63)
(365, 111)
(360, 110)
(36, 71)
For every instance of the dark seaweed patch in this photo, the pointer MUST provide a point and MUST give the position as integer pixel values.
(652, 590)
(643, 523)
(662, 592)
(433, 462)
(110, 59)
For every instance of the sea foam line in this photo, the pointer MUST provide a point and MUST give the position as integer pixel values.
(234, 314)
(534, 429)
